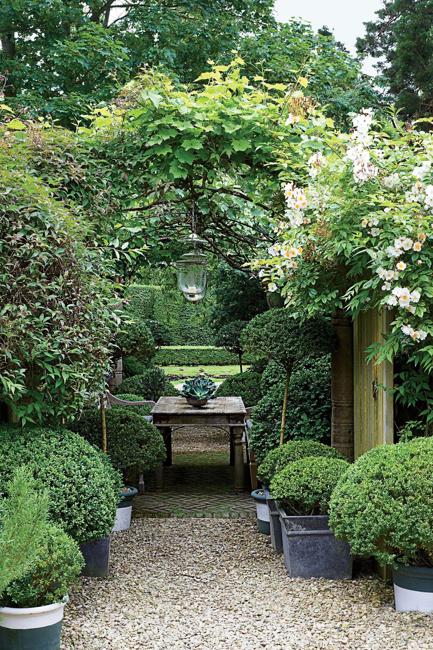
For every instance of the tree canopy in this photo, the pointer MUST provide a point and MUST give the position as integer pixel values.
(400, 40)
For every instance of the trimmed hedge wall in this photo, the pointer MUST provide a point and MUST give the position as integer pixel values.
(196, 356)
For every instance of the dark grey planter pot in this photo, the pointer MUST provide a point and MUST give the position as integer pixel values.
(96, 557)
(274, 522)
(311, 550)
(262, 512)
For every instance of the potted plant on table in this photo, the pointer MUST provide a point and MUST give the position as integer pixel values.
(303, 489)
(383, 507)
(198, 391)
(39, 563)
(276, 460)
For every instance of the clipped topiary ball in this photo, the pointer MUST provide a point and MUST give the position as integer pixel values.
(130, 397)
(83, 487)
(305, 486)
(133, 443)
(55, 568)
(291, 451)
(245, 385)
(383, 505)
(135, 339)
(151, 385)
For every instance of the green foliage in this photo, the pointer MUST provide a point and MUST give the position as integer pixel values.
(276, 459)
(151, 385)
(133, 443)
(160, 332)
(55, 568)
(245, 385)
(55, 322)
(305, 486)
(141, 301)
(308, 410)
(400, 40)
(82, 485)
(272, 375)
(286, 52)
(135, 339)
(199, 388)
(238, 297)
(23, 517)
(229, 337)
(195, 356)
(383, 507)
(131, 397)
(278, 337)
(62, 57)
(133, 366)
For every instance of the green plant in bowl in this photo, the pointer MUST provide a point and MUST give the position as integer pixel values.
(198, 390)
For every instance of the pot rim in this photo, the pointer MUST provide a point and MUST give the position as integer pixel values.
(40, 609)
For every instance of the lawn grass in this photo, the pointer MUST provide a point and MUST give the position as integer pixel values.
(214, 372)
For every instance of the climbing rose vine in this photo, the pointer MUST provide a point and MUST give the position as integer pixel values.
(358, 235)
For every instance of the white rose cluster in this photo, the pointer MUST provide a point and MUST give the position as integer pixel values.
(359, 155)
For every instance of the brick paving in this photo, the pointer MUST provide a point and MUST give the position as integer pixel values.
(199, 483)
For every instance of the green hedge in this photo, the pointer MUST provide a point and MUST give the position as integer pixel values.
(150, 385)
(245, 385)
(308, 412)
(196, 356)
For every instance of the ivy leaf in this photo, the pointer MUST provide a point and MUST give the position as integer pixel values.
(185, 156)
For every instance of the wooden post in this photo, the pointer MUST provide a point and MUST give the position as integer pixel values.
(103, 424)
(342, 426)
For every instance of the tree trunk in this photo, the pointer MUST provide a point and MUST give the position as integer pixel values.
(285, 399)
(8, 47)
(342, 429)
(240, 362)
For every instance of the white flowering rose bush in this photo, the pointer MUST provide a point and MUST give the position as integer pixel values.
(358, 235)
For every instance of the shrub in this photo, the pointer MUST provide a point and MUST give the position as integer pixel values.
(383, 506)
(273, 374)
(160, 332)
(238, 296)
(133, 443)
(82, 485)
(195, 356)
(55, 567)
(23, 517)
(55, 320)
(245, 385)
(304, 487)
(151, 385)
(145, 409)
(141, 301)
(133, 366)
(229, 337)
(308, 410)
(278, 458)
(135, 339)
(280, 338)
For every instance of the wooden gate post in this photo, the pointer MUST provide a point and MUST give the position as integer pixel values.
(342, 429)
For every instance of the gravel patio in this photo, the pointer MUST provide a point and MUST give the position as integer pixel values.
(214, 584)
(208, 583)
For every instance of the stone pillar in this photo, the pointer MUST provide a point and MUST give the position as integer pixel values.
(342, 429)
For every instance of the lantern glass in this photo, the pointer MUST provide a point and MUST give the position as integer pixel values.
(191, 275)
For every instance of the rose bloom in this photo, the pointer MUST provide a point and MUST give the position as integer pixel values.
(401, 266)
(417, 246)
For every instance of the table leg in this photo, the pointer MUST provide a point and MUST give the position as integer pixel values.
(239, 482)
(166, 434)
(232, 449)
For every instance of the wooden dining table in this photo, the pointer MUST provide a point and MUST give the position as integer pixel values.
(221, 412)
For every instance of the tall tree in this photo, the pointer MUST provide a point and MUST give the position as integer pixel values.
(400, 39)
(60, 56)
(285, 52)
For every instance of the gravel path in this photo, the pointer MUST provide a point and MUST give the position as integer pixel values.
(215, 584)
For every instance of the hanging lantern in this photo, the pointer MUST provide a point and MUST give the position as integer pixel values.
(191, 271)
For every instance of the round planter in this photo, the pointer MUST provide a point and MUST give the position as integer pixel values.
(197, 403)
(262, 511)
(124, 509)
(31, 628)
(96, 557)
(413, 589)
